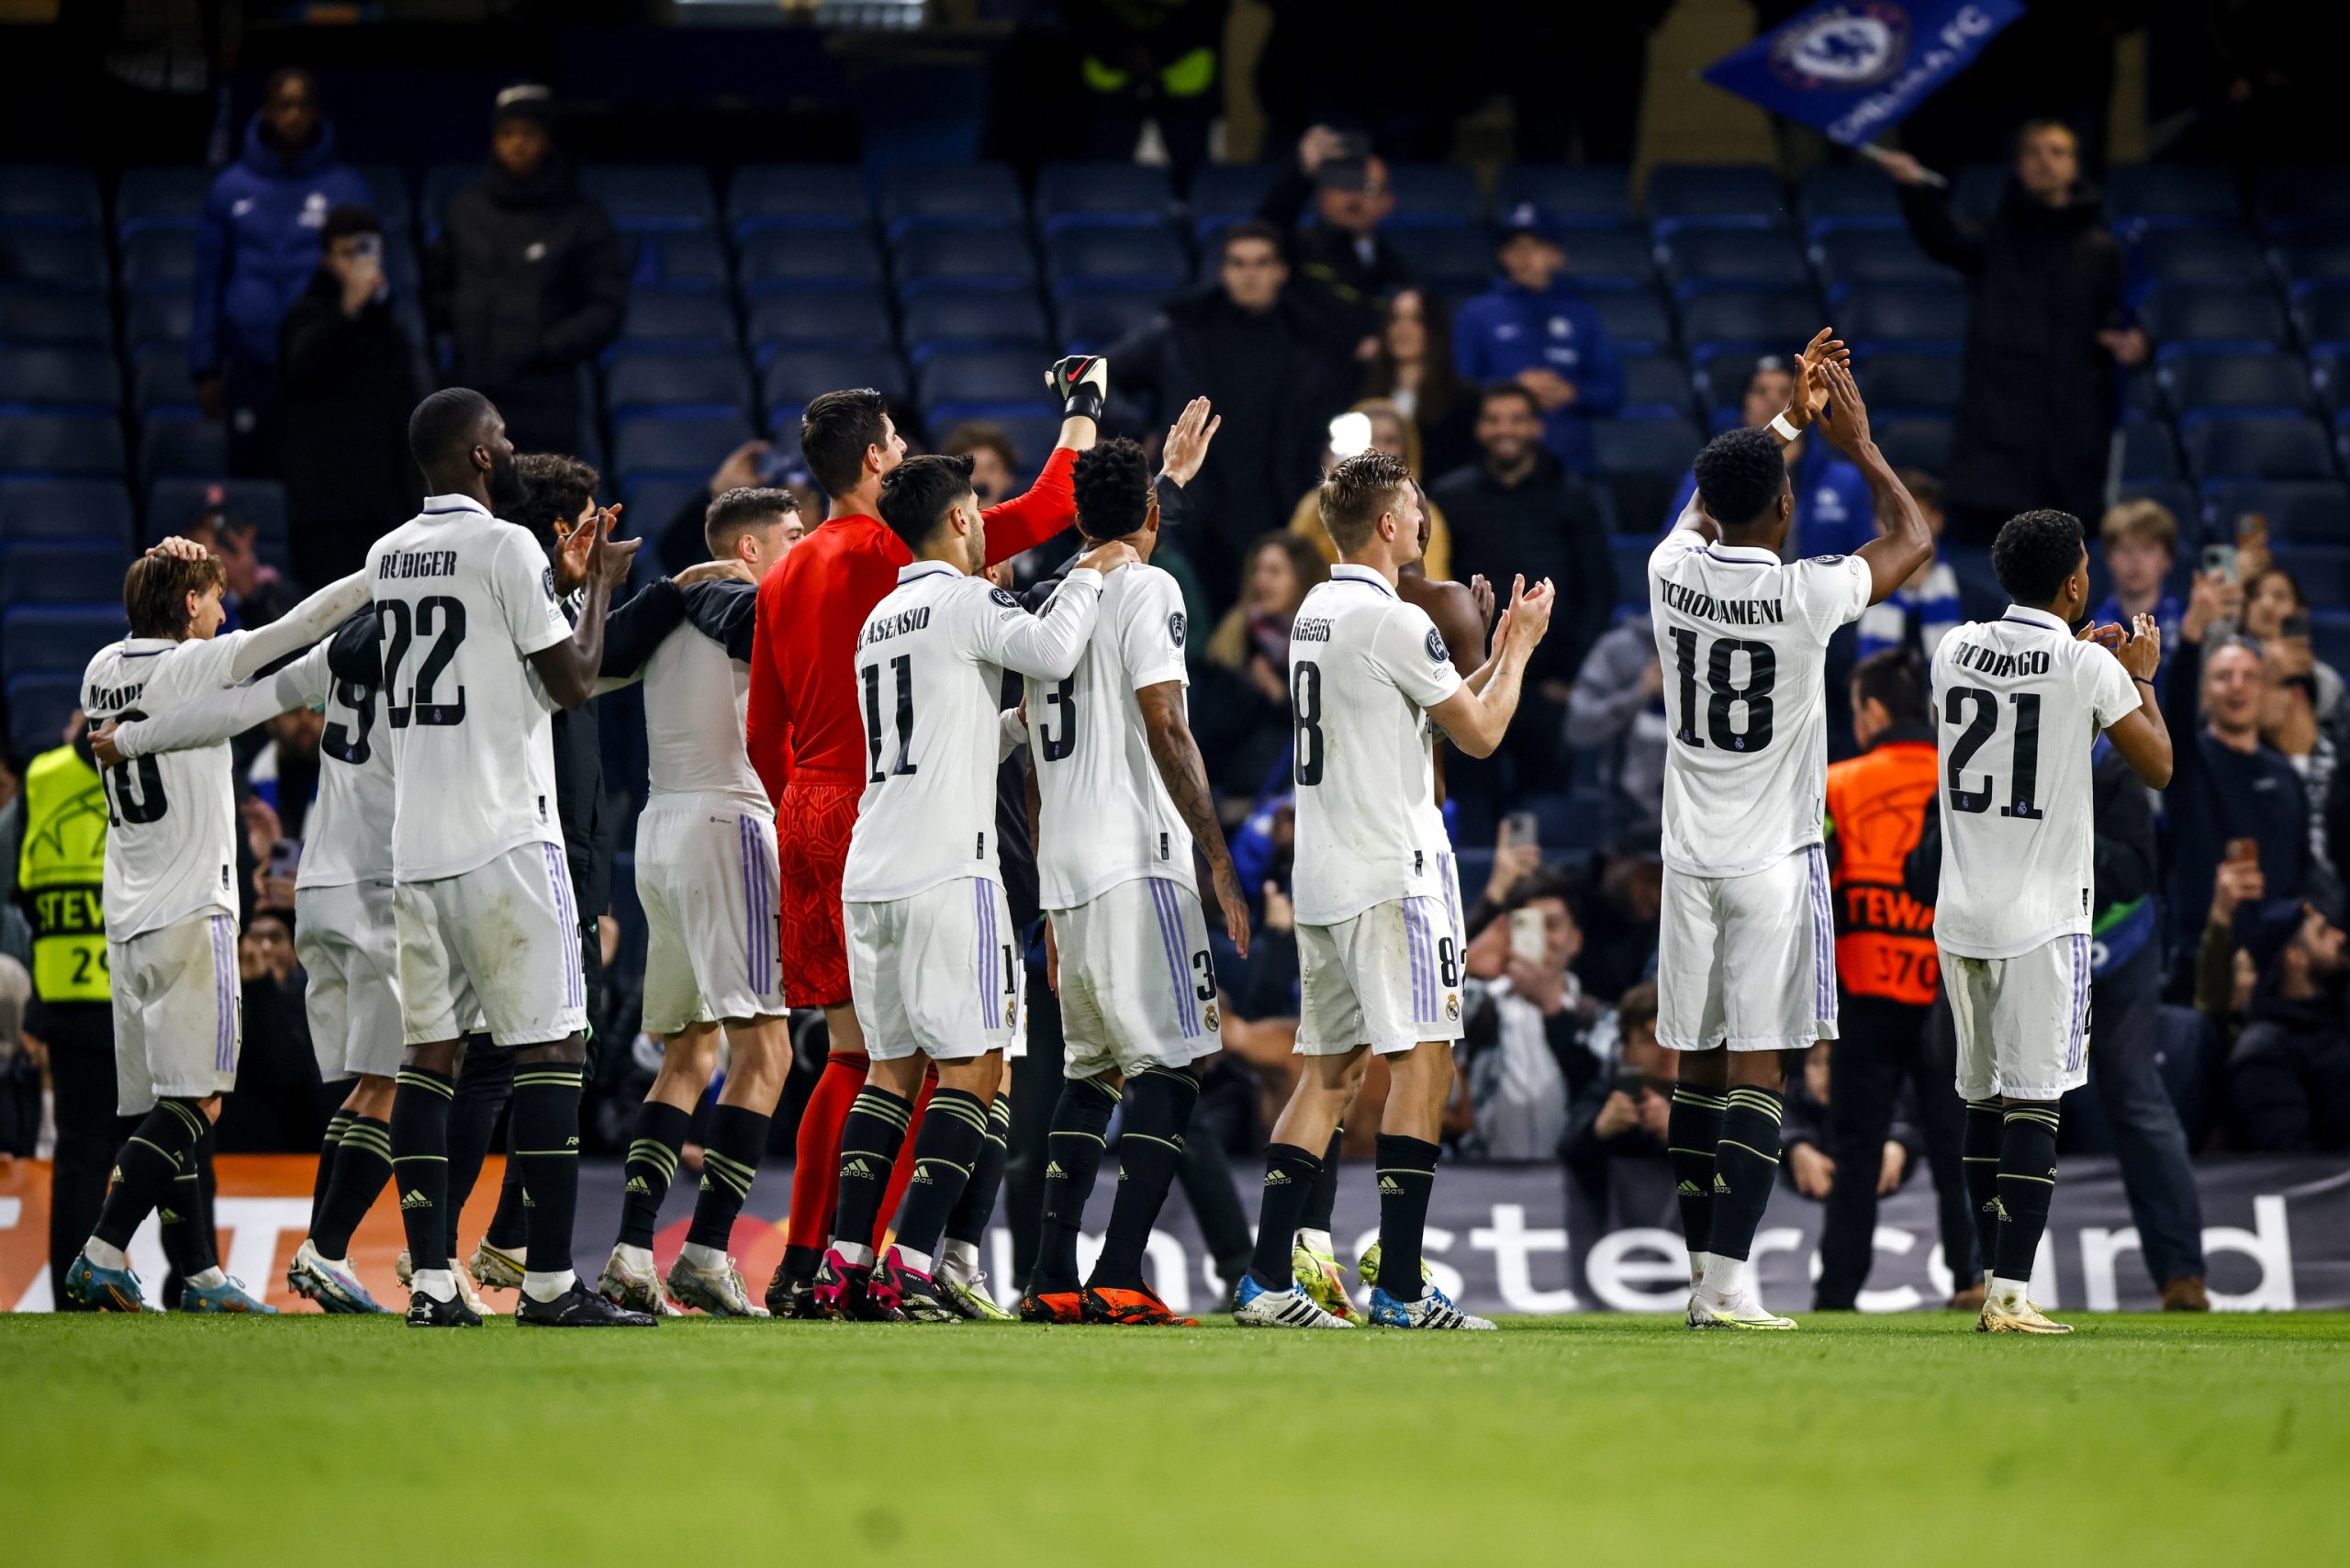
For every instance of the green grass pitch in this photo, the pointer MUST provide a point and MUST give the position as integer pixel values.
(1883, 1440)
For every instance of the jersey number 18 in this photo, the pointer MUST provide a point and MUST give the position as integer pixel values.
(1723, 693)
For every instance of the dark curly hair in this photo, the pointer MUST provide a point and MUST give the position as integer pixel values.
(1892, 676)
(2035, 552)
(555, 489)
(1113, 486)
(917, 494)
(1740, 475)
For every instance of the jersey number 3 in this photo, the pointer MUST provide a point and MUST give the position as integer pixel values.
(1722, 693)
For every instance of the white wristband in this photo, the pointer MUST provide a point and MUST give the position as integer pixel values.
(1786, 431)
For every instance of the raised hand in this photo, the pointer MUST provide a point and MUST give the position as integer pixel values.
(1481, 593)
(1081, 382)
(1529, 611)
(1810, 394)
(2142, 654)
(1847, 423)
(609, 558)
(1186, 440)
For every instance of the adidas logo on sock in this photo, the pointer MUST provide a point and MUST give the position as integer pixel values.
(1691, 1189)
(920, 1177)
(1276, 1177)
(1996, 1207)
(860, 1170)
(1053, 1171)
(415, 1199)
(167, 1216)
(705, 1184)
(114, 1176)
(1389, 1186)
(1719, 1185)
(639, 1185)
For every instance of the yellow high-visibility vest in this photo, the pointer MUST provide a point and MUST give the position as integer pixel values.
(62, 871)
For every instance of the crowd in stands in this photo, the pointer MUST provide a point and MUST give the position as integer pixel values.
(232, 356)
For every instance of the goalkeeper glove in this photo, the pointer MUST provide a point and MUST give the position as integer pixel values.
(1081, 382)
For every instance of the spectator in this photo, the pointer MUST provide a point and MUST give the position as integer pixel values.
(1340, 256)
(1834, 515)
(1812, 1167)
(1412, 368)
(2289, 723)
(528, 279)
(2288, 1076)
(277, 1105)
(1526, 1050)
(995, 462)
(1621, 923)
(257, 593)
(2035, 411)
(681, 544)
(2225, 976)
(1242, 711)
(286, 774)
(2141, 543)
(1275, 372)
(1922, 611)
(1618, 710)
(1376, 425)
(1533, 329)
(2276, 615)
(256, 250)
(349, 376)
(1615, 1137)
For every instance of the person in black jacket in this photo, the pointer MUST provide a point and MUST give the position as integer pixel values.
(1340, 255)
(2288, 1076)
(528, 277)
(346, 380)
(2036, 405)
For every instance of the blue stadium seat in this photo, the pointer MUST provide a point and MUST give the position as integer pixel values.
(40, 707)
(1715, 196)
(2278, 382)
(703, 384)
(687, 260)
(2227, 257)
(2322, 260)
(1441, 196)
(2299, 511)
(1576, 196)
(1631, 551)
(30, 315)
(651, 502)
(1094, 195)
(932, 256)
(175, 446)
(1455, 255)
(1652, 447)
(968, 381)
(1656, 385)
(819, 319)
(160, 386)
(1840, 198)
(1902, 313)
(1720, 376)
(1847, 256)
(165, 197)
(54, 258)
(953, 196)
(1127, 257)
(153, 321)
(1611, 257)
(57, 638)
(2323, 316)
(689, 447)
(2323, 570)
(1782, 320)
(967, 318)
(64, 379)
(1915, 441)
(62, 445)
(96, 510)
(441, 182)
(2256, 447)
(774, 260)
(2238, 318)
(49, 195)
(797, 196)
(2161, 196)
(2148, 453)
(160, 261)
(1091, 320)
(652, 197)
(1633, 318)
(1900, 379)
(387, 192)
(2297, 201)
(1698, 258)
(174, 503)
(51, 573)
(1223, 194)
(792, 376)
(678, 321)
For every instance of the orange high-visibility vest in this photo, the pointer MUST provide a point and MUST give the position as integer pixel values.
(1877, 806)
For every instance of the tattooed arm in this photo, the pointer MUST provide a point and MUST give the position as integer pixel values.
(1176, 755)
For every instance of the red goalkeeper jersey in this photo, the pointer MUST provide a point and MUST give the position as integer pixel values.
(803, 715)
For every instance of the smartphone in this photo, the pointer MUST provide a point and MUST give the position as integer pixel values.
(1527, 936)
(2296, 624)
(1525, 829)
(368, 247)
(285, 857)
(2246, 850)
(2220, 560)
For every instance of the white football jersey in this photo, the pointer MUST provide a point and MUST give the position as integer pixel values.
(930, 664)
(465, 600)
(347, 837)
(696, 693)
(1742, 638)
(2018, 704)
(1364, 668)
(1103, 815)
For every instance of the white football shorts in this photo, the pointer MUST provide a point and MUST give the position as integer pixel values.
(2023, 1023)
(1390, 977)
(501, 941)
(348, 941)
(938, 974)
(178, 1012)
(1748, 961)
(1137, 982)
(706, 875)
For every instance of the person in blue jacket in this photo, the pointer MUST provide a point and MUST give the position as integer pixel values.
(256, 250)
(1833, 513)
(1533, 328)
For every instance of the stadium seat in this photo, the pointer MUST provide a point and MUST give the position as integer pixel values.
(153, 321)
(2322, 316)
(1902, 313)
(1454, 256)
(792, 376)
(1902, 379)
(1098, 196)
(2224, 447)
(704, 384)
(2247, 319)
(1609, 257)
(1574, 195)
(652, 500)
(63, 378)
(174, 503)
(954, 196)
(1093, 320)
(160, 261)
(387, 192)
(932, 256)
(1225, 194)
(1782, 320)
(54, 258)
(1032, 437)
(691, 261)
(1125, 257)
(1634, 320)
(2299, 511)
(2323, 570)
(1439, 195)
(44, 639)
(91, 510)
(1654, 447)
(2159, 195)
(689, 447)
(1915, 441)
(49, 195)
(2148, 453)
(1715, 196)
(774, 260)
(2293, 202)
(30, 315)
(61, 445)
(2225, 257)
(160, 386)
(1721, 373)
(1656, 387)
(797, 196)
(974, 318)
(968, 381)
(1864, 256)
(1700, 258)
(2278, 382)
(40, 707)
(175, 446)
(2320, 260)
(1842, 198)
(167, 197)
(51, 573)
(652, 197)
(680, 322)
(819, 319)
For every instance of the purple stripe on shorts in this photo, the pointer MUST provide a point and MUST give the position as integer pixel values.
(1823, 937)
(224, 995)
(750, 903)
(2078, 1039)
(1163, 904)
(984, 954)
(1423, 947)
(575, 984)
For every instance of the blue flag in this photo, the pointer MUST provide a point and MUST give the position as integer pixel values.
(1853, 68)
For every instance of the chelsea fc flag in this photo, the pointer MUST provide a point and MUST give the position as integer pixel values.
(1852, 68)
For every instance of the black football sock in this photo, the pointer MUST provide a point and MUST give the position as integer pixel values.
(1692, 1129)
(1980, 1154)
(799, 1263)
(485, 1085)
(509, 1222)
(325, 1173)
(1324, 1197)
(185, 1219)
(656, 1134)
(362, 1165)
(148, 1168)
(870, 1139)
(1406, 1175)
(2027, 1176)
(968, 1223)
(946, 1150)
(1073, 1145)
(547, 1146)
(1746, 1164)
(1158, 1109)
(730, 1163)
(420, 1128)
(1289, 1187)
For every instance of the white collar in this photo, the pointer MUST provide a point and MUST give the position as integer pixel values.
(1346, 573)
(1755, 553)
(2030, 617)
(927, 569)
(435, 506)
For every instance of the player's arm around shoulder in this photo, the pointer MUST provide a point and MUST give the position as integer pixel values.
(2118, 680)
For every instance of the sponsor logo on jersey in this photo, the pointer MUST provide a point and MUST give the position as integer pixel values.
(1005, 598)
